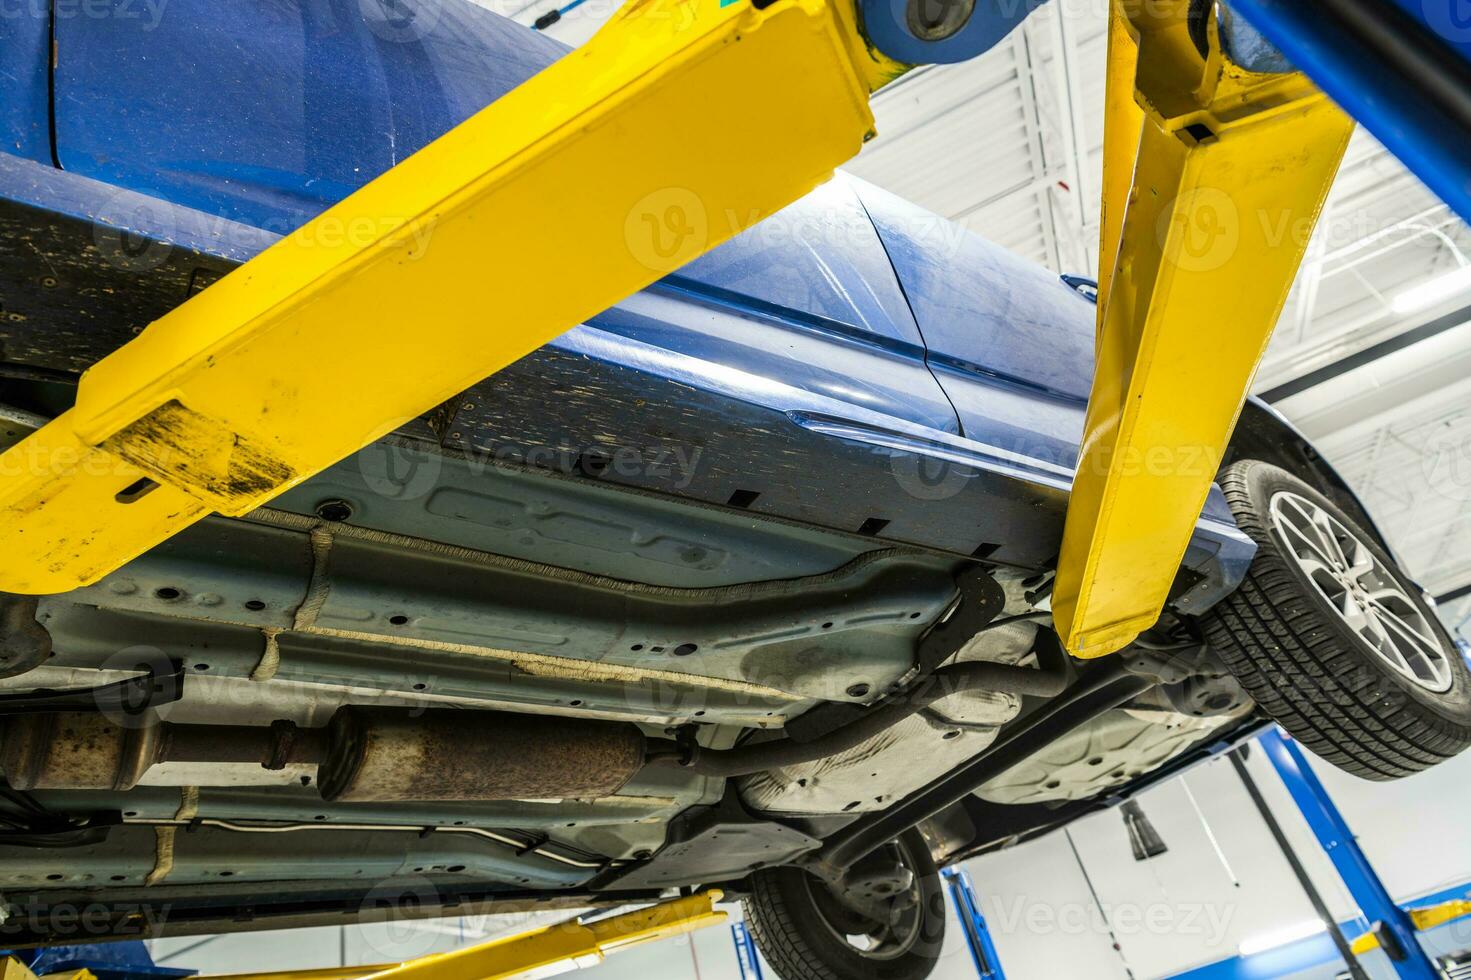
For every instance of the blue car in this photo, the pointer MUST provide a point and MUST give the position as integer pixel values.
(743, 583)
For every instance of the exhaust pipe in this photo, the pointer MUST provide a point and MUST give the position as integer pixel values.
(364, 755)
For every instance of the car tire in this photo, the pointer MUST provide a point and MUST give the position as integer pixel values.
(801, 929)
(1332, 640)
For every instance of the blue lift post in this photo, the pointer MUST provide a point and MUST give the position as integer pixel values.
(1343, 850)
(1399, 67)
(977, 936)
(746, 957)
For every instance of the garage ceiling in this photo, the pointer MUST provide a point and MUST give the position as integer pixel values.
(1010, 145)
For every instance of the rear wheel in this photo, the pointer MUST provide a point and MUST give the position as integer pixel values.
(808, 931)
(1332, 639)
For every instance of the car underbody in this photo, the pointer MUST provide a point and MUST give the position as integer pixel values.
(522, 675)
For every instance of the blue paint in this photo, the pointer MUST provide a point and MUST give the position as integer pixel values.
(887, 24)
(851, 313)
(1317, 951)
(106, 961)
(1337, 840)
(1305, 954)
(25, 42)
(1435, 148)
(745, 949)
(983, 955)
(1011, 345)
(266, 113)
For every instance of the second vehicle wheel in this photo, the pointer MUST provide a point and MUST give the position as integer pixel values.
(808, 931)
(1332, 639)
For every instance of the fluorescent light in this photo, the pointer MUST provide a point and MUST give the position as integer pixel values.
(1280, 937)
(1427, 294)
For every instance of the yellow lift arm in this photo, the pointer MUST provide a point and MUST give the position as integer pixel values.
(632, 155)
(1214, 178)
(14, 969)
(624, 160)
(1424, 918)
(539, 953)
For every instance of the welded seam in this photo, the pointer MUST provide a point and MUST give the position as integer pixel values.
(163, 860)
(703, 595)
(542, 665)
(270, 658)
(320, 583)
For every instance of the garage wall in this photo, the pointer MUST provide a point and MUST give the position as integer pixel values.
(1181, 910)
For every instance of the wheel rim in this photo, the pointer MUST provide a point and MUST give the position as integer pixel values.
(870, 938)
(1364, 594)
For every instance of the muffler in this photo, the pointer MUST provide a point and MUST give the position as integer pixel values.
(363, 755)
(387, 754)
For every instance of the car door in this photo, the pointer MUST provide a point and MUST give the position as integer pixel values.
(265, 113)
(804, 301)
(787, 359)
(1010, 343)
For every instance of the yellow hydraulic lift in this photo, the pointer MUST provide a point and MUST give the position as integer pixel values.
(1213, 180)
(278, 370)
(12, 969)
(541, 952)
(1424, 918)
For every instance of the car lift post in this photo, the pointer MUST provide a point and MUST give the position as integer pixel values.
(1214, 177)
(977, 934)
(747, 958)
(1407, 956)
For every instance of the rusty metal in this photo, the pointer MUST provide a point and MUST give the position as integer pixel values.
(77, 750)
(387, 754)
(24, 643)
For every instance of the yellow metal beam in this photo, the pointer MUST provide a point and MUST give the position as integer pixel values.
(1426, 917)
(330, 973)
(1214, 179)
(617, 164)
(538, 953)
(14, 969)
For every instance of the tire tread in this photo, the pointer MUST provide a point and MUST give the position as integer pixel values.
(1301, 674)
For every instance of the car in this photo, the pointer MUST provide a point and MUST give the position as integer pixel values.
(744, 583)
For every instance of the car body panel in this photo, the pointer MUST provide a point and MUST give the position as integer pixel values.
(266, 113)
(25, 86)
(1009, 342)
(797, 333)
